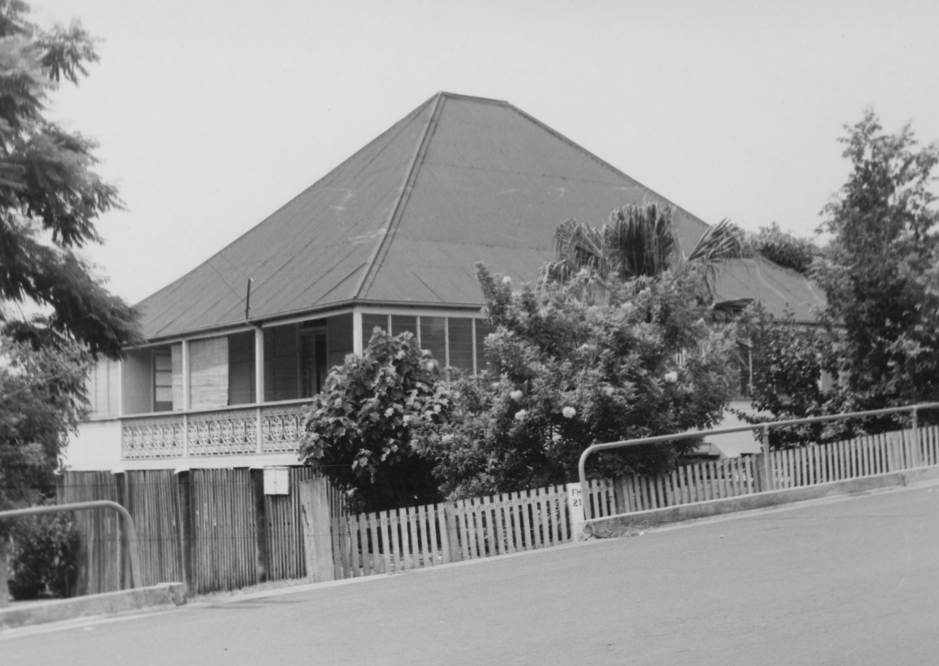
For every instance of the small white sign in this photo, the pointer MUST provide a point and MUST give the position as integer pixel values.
(276, 481)
(575, 509)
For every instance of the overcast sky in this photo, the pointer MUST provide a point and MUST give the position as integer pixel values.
(212, 114)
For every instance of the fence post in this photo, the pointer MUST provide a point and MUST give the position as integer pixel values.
(453, 538)
(184, 526)
(317, 532)
(769, 483)
(576, 509)
(123, 572)
(260, 521)
(619, 496)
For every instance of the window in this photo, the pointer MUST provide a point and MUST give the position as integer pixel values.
(483, 328)
(241, 368)
(369, 323)
(312, 361)
(456, 342)
(434, 338)
(461, 343)
(295, 360)
(162, 381)
(403, 323)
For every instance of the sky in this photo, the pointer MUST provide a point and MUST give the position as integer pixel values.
(211, 114)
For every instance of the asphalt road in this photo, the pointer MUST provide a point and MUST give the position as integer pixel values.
(846, 582)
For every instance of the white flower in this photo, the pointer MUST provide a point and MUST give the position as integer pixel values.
(506, 280)
(556, 437)
(569, 412)
(609, 391)
(516, 395)
(521, 414)
(671, 377)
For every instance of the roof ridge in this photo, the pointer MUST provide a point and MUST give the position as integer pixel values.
(404, 193)
(473, 98)
(604, 163)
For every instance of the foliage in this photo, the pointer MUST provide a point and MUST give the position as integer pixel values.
(360, 430)
(44, 557)
(567, 372)
(879, 335)
(784, 248)
(639, 243)
(879, 274)
(50, 198)
(49, 195)
(41, 400)
(789, 362)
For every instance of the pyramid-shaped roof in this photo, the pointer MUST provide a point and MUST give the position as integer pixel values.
(404, 220)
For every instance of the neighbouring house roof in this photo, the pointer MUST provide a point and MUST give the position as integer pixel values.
(457, 181)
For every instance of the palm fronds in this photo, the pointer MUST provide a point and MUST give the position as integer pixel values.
(639, 241)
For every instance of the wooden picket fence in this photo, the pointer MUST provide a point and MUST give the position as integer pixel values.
(863, 456)
(430, 535)
(807, 465)
(697, 482)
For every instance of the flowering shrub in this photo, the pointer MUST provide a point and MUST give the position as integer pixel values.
(359, 431)
(568, 372)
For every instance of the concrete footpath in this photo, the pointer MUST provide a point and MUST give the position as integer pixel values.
(23, 614)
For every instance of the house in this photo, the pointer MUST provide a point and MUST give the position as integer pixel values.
(388, 238)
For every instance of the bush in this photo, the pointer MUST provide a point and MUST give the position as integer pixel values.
(360, 430)
(44, 557)
(567, 372)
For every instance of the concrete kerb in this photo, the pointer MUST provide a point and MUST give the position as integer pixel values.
(111, 603)
(629, 523)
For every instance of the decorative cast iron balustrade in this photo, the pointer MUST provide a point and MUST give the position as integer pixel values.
(155, 437)
(281, 428)
(222, 432)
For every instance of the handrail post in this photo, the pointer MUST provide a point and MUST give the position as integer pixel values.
(582, 473)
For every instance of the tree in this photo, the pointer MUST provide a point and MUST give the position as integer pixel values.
(878, 339)
(878, 271)
(41, 401)
(361, 430)
(567, 372)
(50, 198)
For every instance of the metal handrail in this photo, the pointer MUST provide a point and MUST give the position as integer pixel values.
(130, 530)
(658, 439)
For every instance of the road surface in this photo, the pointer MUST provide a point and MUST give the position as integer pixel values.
(853, 581)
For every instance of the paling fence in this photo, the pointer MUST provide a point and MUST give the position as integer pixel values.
(216, 529)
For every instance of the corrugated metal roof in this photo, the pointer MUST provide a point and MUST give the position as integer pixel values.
(404, 220)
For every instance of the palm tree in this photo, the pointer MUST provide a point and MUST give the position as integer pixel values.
(639, 242)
